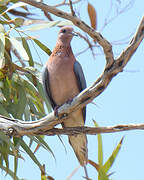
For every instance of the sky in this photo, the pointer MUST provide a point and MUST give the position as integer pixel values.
(122, 102)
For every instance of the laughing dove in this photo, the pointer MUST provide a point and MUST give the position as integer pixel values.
(63, 79)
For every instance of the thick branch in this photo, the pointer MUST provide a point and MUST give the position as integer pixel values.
(72, 130)
(92, 130)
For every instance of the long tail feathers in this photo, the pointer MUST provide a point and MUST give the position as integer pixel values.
(79, 145)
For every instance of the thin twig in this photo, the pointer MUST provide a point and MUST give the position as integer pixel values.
(71, 8)
(119, 12)
(64, 3)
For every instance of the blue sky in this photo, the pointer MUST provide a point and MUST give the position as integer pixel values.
(121, 103)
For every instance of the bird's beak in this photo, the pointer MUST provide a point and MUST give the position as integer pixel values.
(74, 33)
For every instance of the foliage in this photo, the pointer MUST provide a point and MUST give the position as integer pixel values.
(21, 92)
(103, 169)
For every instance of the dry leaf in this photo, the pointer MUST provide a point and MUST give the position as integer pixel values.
(95, 165)
(50, 178)
(92, 16)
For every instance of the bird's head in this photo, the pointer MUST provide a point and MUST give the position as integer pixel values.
(66, 34)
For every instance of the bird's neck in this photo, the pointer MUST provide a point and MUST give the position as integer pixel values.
(62, 49)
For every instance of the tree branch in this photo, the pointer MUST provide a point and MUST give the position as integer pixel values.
(21, 125)
(66, 4)
(92, 130)
(71, 8)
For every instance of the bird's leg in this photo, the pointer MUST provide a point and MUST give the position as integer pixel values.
(57, 106)
(86, 173)
(69, 100)
(56, 110)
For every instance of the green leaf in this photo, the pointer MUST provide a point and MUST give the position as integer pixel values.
(30, 153)
(18, 22)
(8, 141)
(2, 30)
(15, 165)
(2, 9)
(8, 171)
(45, 145)
(19, 47)
(42, 46)
(49, 25)
(4, 149)
(26, 46)
(27, 113)
(3, 111)
(25, 83)
(113, 156)
(65, 23)
(32, 96)
(6, 92)
(2, 98)
(33, 110)
(16, 141)
(43, 177)
(42, 94)
(43, 26)
(32, 71)
(2, 50)
(101, 174)
(21, 101)
(100, 147)
(4, 2)
(18, 99)
(3, 22)
(61, 140)
(31, 140)
(36, 100)
(19, 4)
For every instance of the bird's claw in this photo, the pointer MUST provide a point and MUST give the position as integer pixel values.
(69, 101)
(56, 110)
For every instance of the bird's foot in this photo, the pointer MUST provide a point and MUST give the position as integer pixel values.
(69, 101)
(56, 110)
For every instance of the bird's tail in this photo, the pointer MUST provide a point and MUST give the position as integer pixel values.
(79, 145)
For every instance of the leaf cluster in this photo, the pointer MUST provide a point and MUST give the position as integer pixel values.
(21, 92)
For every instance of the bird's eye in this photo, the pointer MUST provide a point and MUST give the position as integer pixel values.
(63, 31)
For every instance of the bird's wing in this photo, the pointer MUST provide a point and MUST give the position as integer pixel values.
(46, 86)
(81, 82)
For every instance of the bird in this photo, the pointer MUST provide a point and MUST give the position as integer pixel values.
(62, 80)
